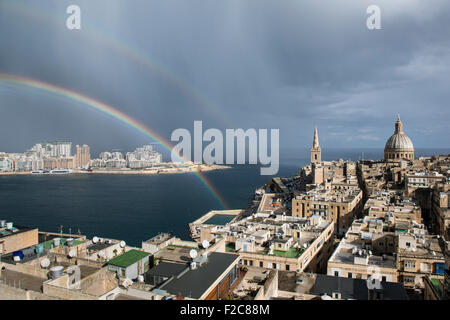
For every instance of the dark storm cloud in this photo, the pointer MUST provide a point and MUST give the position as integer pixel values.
(264, 64)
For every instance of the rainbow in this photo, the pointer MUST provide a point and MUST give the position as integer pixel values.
(126, 50)
(109, 110)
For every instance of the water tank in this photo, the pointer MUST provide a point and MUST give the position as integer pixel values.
(19, 254)
(69, 242)
(126, 283)
(122, 244)
(56, 242)
(72, 253)
(9, 225)
(39, 248)
(95, 239)
(27, 252)
(56, 272)
(2, 223)
(141, 278)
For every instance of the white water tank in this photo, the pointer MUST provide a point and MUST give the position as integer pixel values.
(56, 242)
(141, 278)
(122, 244)
(56, 272)
(9, 225)
(69, 242)
(126, 283)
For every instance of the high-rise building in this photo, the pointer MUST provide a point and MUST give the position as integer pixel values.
(82, 156)
(316, 153)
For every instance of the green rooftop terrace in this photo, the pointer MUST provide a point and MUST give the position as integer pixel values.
(291, 253)
(128, 258)
(49, 243)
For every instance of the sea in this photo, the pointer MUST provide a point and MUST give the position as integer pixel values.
(136, 207)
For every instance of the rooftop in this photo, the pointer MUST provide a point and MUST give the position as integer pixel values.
(128, 258)
(5, 232)
(195, 282)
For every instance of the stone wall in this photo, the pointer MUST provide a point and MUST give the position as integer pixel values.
(11, 293)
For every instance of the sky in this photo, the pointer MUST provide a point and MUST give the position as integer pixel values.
(288, 64)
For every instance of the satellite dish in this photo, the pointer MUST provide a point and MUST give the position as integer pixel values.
(95, 239)
(122, 244)
(193, 253)
(72, 253)
(205, 244)
(45, 263)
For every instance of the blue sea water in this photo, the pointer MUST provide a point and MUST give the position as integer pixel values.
(136, 207)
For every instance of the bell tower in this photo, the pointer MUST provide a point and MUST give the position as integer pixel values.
(316, 153)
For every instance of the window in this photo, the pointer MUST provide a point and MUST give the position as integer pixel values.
(439, 268)
(410, 264)
(350, 275)
(336, 273)
(261, 264)
(383, 278)
(287, 267)
(251, 263)
(409, 280)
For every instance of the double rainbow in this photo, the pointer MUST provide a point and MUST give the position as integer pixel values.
(109, 110)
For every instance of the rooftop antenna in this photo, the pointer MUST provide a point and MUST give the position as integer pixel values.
(79, 232)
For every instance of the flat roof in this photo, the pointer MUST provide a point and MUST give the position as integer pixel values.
(16, 229)
(29, 255)
(99, 246)
(128, 258)
(195, 282)
(49, 243)
(350, 288)
(167, 269)
(22, 280)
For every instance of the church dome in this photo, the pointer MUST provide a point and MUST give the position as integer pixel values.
(399, 142)
(399, 145)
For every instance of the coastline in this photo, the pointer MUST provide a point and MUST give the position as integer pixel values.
(156, 171)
